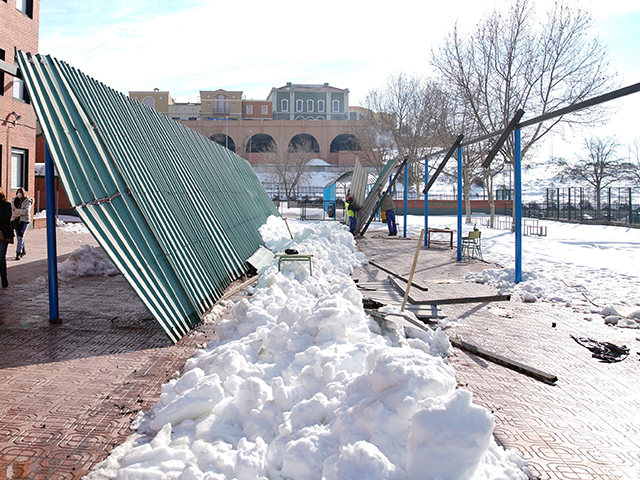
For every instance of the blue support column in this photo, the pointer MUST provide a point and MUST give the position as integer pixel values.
(517, 178)
(459, 253)
(406, 195)
(426, 199)
(54, 314)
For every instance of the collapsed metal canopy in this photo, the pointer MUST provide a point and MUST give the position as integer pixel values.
(177, 213)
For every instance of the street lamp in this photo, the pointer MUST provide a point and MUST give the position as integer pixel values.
(249, 146)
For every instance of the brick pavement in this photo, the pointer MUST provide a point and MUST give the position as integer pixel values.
(586, 426)
(70, 391)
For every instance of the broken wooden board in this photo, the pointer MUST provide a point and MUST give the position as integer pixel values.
(449, 301)
(391, 272)
(505, 362)
(384, 294)
(400, 319)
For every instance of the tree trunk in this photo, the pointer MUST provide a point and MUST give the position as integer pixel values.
(488, 180)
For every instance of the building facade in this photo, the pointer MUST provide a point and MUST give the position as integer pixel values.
(19, 21)
(313, 117)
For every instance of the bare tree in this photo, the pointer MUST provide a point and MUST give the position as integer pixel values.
(599, 166)
(408, 115)
(288, 164)
(510, 62)
(634, 160)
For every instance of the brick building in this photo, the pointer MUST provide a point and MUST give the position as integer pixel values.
(19, 21)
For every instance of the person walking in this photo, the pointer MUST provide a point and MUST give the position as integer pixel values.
(6, 236)
(21, 220)
(389, 209)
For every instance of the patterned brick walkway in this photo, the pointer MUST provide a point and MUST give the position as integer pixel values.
(586, 426)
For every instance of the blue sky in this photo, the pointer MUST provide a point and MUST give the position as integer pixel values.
(253, 45)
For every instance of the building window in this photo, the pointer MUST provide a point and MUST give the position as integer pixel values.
(208, 105)
(285, 105)
(249, 109)
(19, 168)
(233, 105)
(25, 6)
(221, 105)
(265, 110)
(309, 105)
(1, 75)
(336, 106)
(321, 105)
(193, 119)
(149, 102)
(298, 105)
(19, 92)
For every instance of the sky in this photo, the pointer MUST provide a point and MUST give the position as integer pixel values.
(253, 46)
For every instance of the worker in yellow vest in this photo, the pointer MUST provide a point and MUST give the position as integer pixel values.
(351, 213)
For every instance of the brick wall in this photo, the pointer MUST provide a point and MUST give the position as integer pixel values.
(17, 118)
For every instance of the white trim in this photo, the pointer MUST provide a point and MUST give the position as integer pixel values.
(284, 105)
(310, 108)
(321, 105)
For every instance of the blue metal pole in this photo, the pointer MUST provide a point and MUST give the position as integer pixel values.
(459, 253)
(54, 314)
(426, 199)
(406, 194)
(517, 180)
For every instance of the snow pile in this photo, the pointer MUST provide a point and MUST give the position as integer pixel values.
(302, 384)
(86, 261)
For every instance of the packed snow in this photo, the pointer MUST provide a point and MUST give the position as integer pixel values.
(303, 384)
(86, 261)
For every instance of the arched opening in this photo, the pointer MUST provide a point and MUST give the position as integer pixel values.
(344, 142)
(260, 143)
(304, 143)
(224, 140)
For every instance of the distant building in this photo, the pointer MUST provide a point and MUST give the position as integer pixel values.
(309, 102)
(18, 30)
(316, 116)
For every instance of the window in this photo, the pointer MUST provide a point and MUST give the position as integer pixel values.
(249, 109)
(25, 6)
(265, 109)
(19, 92)
(193, 119)
(336, 106)
(1, 75)
(309, 105)
(149, 102)
(321, 105)
(285, 105)
(19, 168)
(298, 105)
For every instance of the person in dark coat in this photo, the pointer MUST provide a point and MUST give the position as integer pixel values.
(6, 238)
(21, 220)
(389, 209)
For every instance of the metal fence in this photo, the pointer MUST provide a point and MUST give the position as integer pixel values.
(617, 205)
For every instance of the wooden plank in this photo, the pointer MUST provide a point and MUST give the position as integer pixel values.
(391, 272)
(450, 301)
(413, 269)
(505, 362)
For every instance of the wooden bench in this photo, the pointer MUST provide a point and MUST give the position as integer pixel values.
(294, 257)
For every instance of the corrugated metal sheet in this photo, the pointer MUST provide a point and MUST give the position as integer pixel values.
(375, 194)
(177, 213)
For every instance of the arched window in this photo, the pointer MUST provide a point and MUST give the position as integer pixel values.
(309, 105)
(149, 102)
(336, 106)
(298, 105)
(285, 105)
(321, 105)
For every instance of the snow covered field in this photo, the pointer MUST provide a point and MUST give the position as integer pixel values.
(302, 384)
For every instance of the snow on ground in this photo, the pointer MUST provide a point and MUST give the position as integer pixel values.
(302, 384)
(86, 261)
(589, 267)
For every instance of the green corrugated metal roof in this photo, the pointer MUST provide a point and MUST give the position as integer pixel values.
(177, 213)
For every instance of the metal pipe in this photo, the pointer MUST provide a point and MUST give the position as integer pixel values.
(54, 314)
(426, 198)
(406, 193)
(517, 178)
(459, 253)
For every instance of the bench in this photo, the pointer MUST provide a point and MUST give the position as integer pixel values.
(294, 257)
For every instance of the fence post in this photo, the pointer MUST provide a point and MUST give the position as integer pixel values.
(569, 206)
(609, 207)
(406, 196)
(630, 208)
